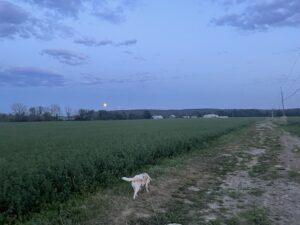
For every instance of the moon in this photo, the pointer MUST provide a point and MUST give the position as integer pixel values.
(104, 105)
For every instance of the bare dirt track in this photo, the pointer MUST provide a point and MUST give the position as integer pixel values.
(249, 177)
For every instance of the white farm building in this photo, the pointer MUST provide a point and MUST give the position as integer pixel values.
(157, 117)
(208, 116)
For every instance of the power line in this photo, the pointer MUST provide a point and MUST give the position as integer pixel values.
(290, 73)
(282, 101)
(292, 69)
(291, 95)
(294, 81)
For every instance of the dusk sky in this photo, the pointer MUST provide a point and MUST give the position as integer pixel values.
(158, 54)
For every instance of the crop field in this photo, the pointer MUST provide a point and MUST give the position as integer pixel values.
(41, 163)
(293, 125)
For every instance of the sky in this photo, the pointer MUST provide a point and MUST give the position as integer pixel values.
(158, 54)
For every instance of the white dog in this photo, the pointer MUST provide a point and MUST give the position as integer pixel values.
(138, 181)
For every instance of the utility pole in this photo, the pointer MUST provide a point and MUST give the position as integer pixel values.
(282, 101)
(272, 114)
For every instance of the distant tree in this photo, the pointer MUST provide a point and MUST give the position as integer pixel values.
(4, 117)
(40, 110)
(81, 114)
(19, 110)
(86, 114)
(120, 116)
(55, 111)
(47, 116)
(132, 116)
(68, 111)
(147, 114)
(32, 114)
(32, 111)
(103, 115)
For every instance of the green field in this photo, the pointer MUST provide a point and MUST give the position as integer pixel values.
(293, 125)
(46, 162)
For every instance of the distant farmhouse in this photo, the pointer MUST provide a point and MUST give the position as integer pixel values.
(186, 117)
(194, 117)
(172, 116)
(208, 116)
(157, 117)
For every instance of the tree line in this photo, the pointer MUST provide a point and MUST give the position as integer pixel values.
(21, 113)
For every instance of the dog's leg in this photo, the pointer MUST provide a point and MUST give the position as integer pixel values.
(147, 184)
(137, 187)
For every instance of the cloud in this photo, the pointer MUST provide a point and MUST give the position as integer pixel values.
(66, 56)
(48, 29)
(127, 43)
(262, 15)
(133, 78)
(229, 2)
(114, 11)
(115, 16)
(30, 77)
(17, 22)
(128, 52)
(11, 13)
(62, 7)
(140, 58)
(92, 42)
(13, 19)
(111, 11)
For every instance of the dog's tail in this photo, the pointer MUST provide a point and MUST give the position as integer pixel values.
(127, 179)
